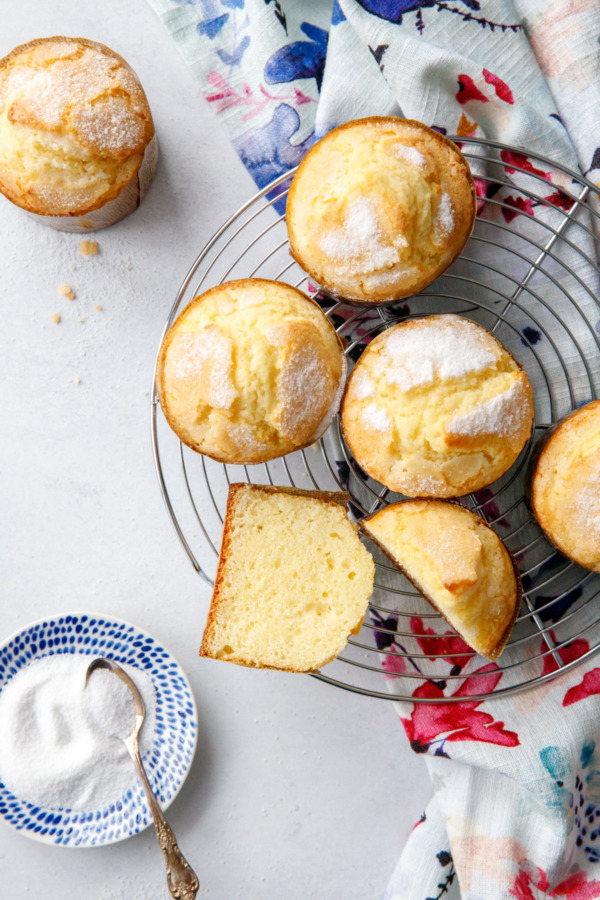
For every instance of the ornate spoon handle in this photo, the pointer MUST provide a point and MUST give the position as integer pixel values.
(181, 878)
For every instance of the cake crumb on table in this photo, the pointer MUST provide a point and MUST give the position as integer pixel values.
(88, 248)
(77, 379)
(80, 320)
(67, 291)
(56, 318)
(99, 308)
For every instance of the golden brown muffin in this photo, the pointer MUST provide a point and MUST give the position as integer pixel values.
(436, 407)
(457, 562)
(293, 580)
(379, 208)
(565, 494)
(249, 371)
(74, 127)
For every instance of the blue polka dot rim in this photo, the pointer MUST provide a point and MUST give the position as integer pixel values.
(168, 761)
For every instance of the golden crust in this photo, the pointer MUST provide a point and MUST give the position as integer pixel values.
(249, 371)
(457, 562)
(436, 407)
(74, 125)
(373, 223)
(213, 636)
(565, 493)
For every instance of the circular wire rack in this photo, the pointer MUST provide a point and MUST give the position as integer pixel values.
(529, 274)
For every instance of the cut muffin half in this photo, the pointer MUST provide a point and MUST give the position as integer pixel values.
(293, 580)
(457, 562)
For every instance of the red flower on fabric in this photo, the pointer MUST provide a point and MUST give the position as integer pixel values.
(520, 204)
(457, 721)
(561, 200)
(568, 653)
(587, 688)
(511, 159)
(448, 644)
(393, 664)
(480, 192)
(467, 91)
(502, 89)
(575, 887)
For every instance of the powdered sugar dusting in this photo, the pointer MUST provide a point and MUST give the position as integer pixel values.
(506, 414)
(443, 347)
(444, 219)
(409, 154)
(360, 238)
(376, 417)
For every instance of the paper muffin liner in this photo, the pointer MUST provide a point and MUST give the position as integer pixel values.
(121, 206)
(131, 195)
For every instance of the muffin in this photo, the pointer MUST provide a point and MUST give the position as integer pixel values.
(77, 145)
(436, 407)
(457, 562)
(565, 493)
(293, 580)
(249, 371)
(379, 208)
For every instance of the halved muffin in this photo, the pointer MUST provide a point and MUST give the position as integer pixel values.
(293, 580)
(457, 562)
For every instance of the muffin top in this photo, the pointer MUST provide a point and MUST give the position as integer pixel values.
(459, 564)
(249, 371)
(566, 486)
(380, 207)
(436, 407)
(74, 124)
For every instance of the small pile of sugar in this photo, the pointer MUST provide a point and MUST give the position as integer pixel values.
(504, 415)
(447, 348)
(444, 219)
(60, 741)
(376, 417)
(360, 238)
(409, 154)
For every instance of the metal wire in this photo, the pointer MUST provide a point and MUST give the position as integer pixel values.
(557, 627)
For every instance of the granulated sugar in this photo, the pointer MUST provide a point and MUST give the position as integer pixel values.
(444, 220)
(360, 237)
(362, 386)
(446, 348)
(60, 741)
(505, 414)
(377, 417)
(409, 154)
(587, 505)
(206, 357)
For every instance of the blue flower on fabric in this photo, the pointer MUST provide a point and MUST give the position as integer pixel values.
(268, 152)
(234, 58)
(300, 59)
(393, 10)
(583, 802)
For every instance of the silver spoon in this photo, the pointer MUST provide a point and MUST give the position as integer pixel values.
(181, 878)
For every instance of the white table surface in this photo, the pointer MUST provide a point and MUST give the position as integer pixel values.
(298, 790)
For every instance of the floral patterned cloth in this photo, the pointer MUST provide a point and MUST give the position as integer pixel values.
(516, 805)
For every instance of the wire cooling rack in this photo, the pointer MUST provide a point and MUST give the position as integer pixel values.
(529, 274)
